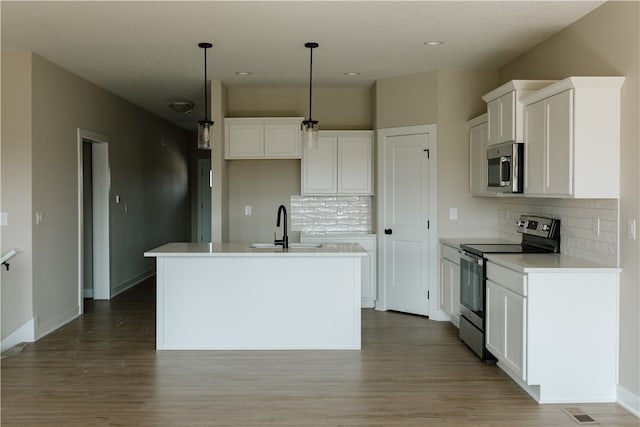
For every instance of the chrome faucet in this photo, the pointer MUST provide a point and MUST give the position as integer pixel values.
(285, 238)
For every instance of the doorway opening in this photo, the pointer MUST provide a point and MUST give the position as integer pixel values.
(205, 184)
(93, 216)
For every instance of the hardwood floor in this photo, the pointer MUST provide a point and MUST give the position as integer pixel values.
(102, 369)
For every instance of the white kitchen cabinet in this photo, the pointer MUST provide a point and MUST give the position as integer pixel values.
(263, 138)
(450, 282)
(572, 139)
(341, 164)
(368, 242)
(505, 110)
(478, 156)
(541, 326)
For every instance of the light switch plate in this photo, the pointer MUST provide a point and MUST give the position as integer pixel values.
(632, 229)
(4, 218)
(453, 213)
(247, 210)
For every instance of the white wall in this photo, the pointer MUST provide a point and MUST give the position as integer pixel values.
(606, 42)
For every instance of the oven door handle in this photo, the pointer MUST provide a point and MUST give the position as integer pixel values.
(470, 258)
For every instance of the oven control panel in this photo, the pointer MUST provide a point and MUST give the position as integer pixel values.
(537, 225)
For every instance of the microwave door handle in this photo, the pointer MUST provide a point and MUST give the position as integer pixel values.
(505, 171)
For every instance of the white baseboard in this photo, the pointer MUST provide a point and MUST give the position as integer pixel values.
(628, 400)
(48, 326)
(132, 282)
(24, 333)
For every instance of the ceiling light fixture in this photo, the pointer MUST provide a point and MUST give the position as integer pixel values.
(310, 127)
(433, 43)
(205, 137)
(182, 106)
(352, 73)
(243, 73)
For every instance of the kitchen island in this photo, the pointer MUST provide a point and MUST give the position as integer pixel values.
(230, 296)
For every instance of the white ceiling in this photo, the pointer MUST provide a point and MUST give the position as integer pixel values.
(146, 51)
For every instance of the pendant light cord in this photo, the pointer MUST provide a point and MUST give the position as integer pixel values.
(206, 113)
(310, 80)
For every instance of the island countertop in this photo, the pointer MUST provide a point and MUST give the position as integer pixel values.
(186, 249)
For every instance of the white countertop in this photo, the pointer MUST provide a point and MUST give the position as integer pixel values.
(541, 263)
(243, 249)
(457, 241)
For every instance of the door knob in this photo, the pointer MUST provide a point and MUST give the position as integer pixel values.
(388, 231)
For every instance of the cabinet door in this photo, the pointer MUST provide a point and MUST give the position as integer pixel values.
(319, 174)
(559, 146)
(282, 141)
(495, 320)
(494, 117)
(455, 293)
(534, 142)
(245, 141)
(508, 117)
(354, 165)
(478, 159)
(445, 286)
(514, 333)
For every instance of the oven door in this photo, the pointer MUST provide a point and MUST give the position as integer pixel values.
(471, 288)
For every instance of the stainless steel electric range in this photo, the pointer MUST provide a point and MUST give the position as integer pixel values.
(539, 235)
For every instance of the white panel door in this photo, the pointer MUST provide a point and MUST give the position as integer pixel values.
(282, 140)
(406, 217)
(246, 141)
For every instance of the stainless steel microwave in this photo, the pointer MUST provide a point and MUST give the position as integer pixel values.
(505, 167)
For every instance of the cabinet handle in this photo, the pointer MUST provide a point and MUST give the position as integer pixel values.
(388, 231)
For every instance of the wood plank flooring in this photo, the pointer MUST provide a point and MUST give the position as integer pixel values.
(102, 370)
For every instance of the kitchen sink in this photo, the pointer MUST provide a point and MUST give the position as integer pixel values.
(291, 245)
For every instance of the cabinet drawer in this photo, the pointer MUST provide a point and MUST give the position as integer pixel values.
(509, 279)
(450, 253)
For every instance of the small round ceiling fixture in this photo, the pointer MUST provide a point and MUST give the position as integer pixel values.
(352, 73)
(433, 43)
(182, 106)
(243, 73)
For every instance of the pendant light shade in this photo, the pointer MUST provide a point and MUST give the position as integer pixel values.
(310, 126)
(205, 126)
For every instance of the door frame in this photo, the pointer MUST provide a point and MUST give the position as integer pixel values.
(101, 177)
(432, 262)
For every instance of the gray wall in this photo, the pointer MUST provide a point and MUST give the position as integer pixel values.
(148, 164)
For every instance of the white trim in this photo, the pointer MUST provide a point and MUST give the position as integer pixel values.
(101, 189)
(130, 283)
(51, 325)
(24, 333)
(628, 400)
(433, 264)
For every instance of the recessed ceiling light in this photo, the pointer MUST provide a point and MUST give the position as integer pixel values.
(433, 43)
(243, 73)
(352, 73)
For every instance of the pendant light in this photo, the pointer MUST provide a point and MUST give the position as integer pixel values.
(205, 134)
(310, 126)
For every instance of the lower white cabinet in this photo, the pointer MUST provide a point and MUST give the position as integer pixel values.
(368, 242)
(450, 282)
(554, 328)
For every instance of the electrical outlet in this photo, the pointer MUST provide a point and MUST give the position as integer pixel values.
(453, 213)
(247, 210)
(39, 218)
(4, 218)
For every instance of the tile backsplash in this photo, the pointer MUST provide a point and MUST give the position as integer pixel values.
(320, 215)
(577, 228)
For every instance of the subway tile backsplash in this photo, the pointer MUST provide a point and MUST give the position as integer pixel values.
(577, 228)
(320, 215)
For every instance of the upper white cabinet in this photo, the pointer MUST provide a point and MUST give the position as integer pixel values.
(478, 156)
(263, 138)
(341, 164)
(505, 110)
(572, 139)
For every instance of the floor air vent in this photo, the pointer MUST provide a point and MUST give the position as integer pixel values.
(579, 416)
